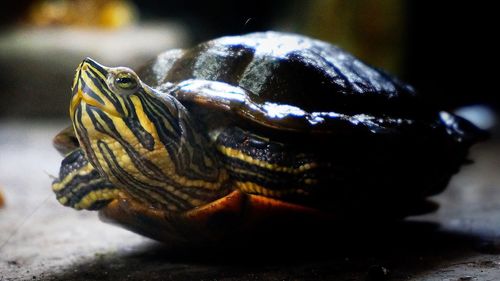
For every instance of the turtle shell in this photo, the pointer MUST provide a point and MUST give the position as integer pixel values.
(380, 130)
(288, 69)
(331, 90)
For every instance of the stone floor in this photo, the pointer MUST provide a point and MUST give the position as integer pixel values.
(41, 240)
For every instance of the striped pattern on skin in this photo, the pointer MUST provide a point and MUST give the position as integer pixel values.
(144, 145)
(80, 186)
(261, 166)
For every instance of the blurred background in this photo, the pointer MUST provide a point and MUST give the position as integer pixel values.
(445, 49)
(442, 48)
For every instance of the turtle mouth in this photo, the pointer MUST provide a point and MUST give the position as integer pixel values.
(80, 97)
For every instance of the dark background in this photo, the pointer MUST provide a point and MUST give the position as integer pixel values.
(445, 49)
(448, 46)
(452, 51)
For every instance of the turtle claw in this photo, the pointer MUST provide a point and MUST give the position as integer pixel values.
(80, 186)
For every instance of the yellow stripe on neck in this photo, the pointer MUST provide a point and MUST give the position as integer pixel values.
(238, 154)
(254, 188)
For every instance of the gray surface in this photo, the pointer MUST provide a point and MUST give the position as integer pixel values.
(39, 239)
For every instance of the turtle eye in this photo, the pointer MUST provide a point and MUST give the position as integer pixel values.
(125, 81)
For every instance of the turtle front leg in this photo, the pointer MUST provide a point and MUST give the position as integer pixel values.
(80, 186)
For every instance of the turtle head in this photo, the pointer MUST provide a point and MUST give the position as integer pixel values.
(103, 87)
(140, 140)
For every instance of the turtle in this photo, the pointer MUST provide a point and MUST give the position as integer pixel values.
(266, 126)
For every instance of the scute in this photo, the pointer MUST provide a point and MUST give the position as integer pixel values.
(292, 69)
